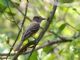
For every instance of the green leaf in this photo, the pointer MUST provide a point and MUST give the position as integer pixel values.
(3, 5)
(34, 56)
(48, 49)
(61, 28)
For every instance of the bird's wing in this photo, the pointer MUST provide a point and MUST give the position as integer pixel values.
(33, 28)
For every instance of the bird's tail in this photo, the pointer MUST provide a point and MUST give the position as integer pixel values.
(18, 46)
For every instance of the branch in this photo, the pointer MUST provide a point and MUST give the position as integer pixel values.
(20, 28)
(48, 43)
(24, 48)
(49, 20)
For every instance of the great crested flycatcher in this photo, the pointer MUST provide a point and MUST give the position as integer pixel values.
(31, 29)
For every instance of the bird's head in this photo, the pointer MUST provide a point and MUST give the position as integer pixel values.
(38, 19)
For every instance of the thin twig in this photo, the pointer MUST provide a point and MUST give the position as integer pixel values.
(19, 10)
(21, 27)
(73, 27)
(11, 15)
(62, 38)
(76, 11)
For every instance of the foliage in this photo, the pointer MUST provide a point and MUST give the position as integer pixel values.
(65, 24)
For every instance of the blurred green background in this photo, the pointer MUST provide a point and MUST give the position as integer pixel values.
(66, 23)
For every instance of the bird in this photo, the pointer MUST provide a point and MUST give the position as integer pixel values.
(31, 30)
